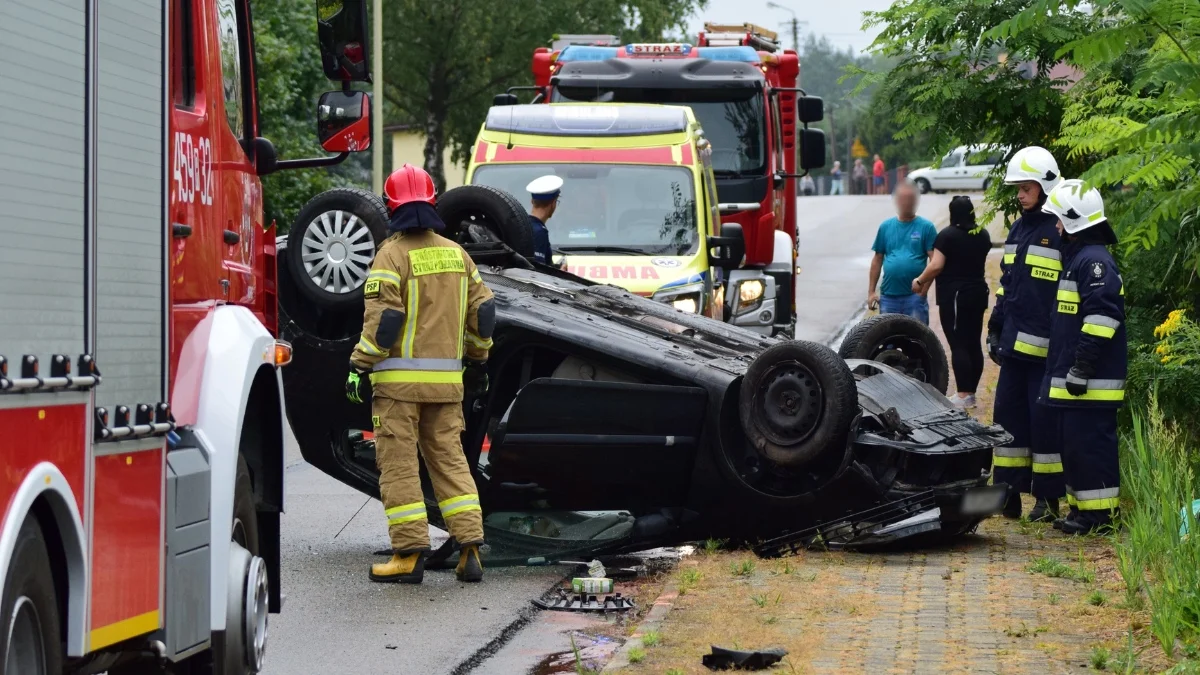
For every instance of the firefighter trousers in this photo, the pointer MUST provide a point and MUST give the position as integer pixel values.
(401, 427)
(1089, 449)
(1032, 462)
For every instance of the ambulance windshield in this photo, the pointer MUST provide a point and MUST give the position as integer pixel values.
(605, 207)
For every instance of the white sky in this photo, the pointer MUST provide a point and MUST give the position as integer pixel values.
(840, 20)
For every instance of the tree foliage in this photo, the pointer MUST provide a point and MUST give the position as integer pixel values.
(443, 61)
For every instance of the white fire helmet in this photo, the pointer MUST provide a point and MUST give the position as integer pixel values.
(1033, 164)
(1078, 210)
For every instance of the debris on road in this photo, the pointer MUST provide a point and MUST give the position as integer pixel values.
(582, 602)
(728, 659)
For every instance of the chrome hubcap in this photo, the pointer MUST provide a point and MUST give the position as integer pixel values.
(337, 251)
(26, 651)
(256, 613)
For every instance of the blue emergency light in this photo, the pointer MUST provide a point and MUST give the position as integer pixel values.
(586, 119)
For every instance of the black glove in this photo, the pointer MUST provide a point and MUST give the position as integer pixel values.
(358, 385)
(1077, 378)
(993, 346)
(475, 378)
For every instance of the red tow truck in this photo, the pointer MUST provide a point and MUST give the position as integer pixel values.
(743, 90)
(141, 424)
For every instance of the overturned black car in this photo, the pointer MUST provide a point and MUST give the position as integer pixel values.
(618, 423)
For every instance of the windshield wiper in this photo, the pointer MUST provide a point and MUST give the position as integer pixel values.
(605, 249)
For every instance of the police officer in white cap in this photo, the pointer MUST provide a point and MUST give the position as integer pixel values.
(544, 192)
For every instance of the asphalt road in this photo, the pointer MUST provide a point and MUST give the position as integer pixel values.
(336, 621)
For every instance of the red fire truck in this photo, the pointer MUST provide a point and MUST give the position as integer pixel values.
(141, 432)
(743, 90)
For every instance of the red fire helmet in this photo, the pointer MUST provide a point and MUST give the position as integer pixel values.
(409, 184)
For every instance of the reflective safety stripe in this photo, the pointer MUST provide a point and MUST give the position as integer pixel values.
(385, 275)
(1071, 501)
(475, 275)
(1100, 325)
(1010, 254)
(1032, 345)
(478, 341)
(406, 513)
(1068, 296)
(462, 313)
(1011, 457)
(369, 347)
(1010, 248)
(1068, 285)
(410, 322)
(1040, 256)
(1098, 500)
(459, 504)
(1098, 390)
(418, 364)
(417, 377)
(1048, 463)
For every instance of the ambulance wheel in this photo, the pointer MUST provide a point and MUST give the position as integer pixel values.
(481, 213)
(30, 643)
(797, 402)
(903, 343)
(332, 243)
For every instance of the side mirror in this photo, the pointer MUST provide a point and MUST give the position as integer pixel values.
(812, 149)
(810, 109)
(342, 32)
(344, 121)
(505, 99)
(265, 157)
(727, 250)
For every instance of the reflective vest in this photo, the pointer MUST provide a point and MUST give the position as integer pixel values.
(1089, 328)
(422, 318)
(1031, 269)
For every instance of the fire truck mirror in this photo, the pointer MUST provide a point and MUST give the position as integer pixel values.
(265, 157)
(810, 109)
(344, 121)
(812, 149)
(342, 32)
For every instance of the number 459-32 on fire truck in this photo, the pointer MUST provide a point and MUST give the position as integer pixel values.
(141, 432)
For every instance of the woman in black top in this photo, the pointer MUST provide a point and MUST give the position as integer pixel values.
(959, 254)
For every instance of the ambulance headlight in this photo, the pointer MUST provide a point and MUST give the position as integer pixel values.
(687, 298)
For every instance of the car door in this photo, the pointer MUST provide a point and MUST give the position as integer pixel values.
(977, 165)
(947, 176)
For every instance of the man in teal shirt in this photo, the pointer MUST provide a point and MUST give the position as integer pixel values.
(902, 247)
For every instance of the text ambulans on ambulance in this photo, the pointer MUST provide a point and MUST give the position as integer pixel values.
(639, 206)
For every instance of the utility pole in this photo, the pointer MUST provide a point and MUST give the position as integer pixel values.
(377, 97)
(832, 132)
(794, 23)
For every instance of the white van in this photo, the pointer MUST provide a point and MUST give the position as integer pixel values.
(963, 168)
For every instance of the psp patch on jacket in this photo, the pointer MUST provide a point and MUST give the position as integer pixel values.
(1097, 270)
(371, 289)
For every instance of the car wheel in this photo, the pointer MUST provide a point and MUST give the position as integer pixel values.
(986, 184)
(332, 243)
(901, 342)
(797, 402)
(922, 185)
(30, 643)
(481, 213)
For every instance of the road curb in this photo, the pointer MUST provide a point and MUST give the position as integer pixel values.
(651, 622)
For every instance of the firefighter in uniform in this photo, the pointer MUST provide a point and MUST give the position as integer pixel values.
(1085, 370)
(543, 193)
(426, 334)
(1019, 337)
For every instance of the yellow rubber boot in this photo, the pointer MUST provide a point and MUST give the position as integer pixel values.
(404, 569)
(470, 567)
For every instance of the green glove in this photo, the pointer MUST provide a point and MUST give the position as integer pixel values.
(358, 386)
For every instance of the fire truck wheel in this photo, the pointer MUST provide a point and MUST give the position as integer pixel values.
(245, 518)
(901, 342)
(29, 640)
(482, 213)
(332, 243)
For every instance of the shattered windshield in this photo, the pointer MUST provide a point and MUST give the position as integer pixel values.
(646, 209)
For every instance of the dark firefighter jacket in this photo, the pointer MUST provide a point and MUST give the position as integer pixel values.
(426, 309)
(1031, 268)
(1088, 329)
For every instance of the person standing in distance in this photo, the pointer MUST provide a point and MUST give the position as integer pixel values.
(1019, 340)
(426, 334)
(902, 248)
(1086, 366)
(544, 193)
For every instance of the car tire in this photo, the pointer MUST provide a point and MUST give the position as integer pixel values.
(482, 213)
(797, 402)
(30, 642)
(987, 182)
(332, 244)
(901, 342)
(922, 185)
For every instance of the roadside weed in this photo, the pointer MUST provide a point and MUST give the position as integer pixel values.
(688, 578)
(673, 671)
(636, 654)
(1052, 598)
(742, 569)
(1057, 569)
(651, 639)
(771, 620)
(760, 600)
(711, 546)
(1100, 656)
(1097, 598)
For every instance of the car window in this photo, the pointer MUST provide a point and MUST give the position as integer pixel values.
(231, 66)
(952, 159)
(651, 208)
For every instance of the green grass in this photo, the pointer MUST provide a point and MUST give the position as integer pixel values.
(1053, 598)
(1099, 659)
(673, 671)
(652, 638)
(742, 569)
(1057, 569)
(760, 600)
(1097, 599)
(688, 578)
(711, 546)
(636, 654)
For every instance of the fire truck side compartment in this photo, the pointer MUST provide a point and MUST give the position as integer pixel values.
(188, 551)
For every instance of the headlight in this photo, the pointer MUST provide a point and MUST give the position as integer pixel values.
(687, 298)
(750, 293)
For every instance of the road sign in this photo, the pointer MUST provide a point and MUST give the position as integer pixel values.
(858, 150)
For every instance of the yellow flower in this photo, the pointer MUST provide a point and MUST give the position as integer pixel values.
(1163, 348)
(1170, 325)
(1165, 359)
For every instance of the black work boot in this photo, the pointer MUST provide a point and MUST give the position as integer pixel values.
(1012, 508)
(1090, 522)
(403, 568)
(1072, 514)
(1044, 511)
(470, 567)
